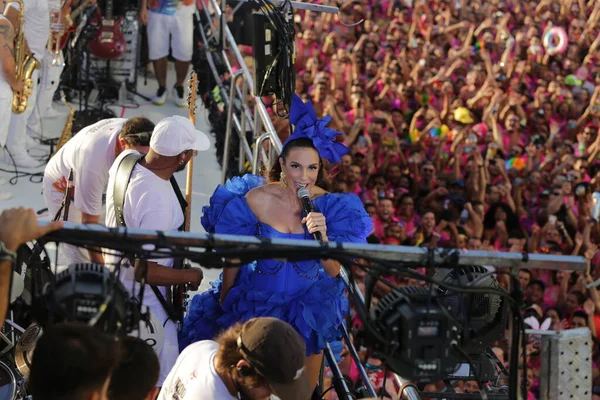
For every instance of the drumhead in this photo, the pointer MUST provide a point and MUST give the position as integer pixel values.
(8, 383)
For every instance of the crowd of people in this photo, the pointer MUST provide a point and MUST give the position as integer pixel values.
(472, 125)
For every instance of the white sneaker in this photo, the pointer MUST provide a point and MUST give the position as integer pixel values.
(23, 160)
(178, 95)
(160, 98)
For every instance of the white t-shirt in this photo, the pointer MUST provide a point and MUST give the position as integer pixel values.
(194, 376)
(90, 153)
(37, 25)
(150, 203)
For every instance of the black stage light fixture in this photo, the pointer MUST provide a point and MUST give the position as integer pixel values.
(483, 316)
(415, 334)
(88, 293)
(265, 48)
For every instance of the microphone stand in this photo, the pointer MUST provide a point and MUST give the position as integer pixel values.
(67, 198)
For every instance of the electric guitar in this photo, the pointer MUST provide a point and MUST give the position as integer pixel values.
(109, 42)
(71, 27)
(180, 296)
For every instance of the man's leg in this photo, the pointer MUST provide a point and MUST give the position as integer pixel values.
(5, 112)
(50, 79)
(182, 43)
(16, 142)
(158, 50)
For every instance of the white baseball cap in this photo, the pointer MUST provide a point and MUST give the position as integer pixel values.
(173, 135)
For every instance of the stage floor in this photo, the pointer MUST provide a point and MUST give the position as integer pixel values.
(207, 172)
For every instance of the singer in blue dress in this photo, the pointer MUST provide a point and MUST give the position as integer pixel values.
(309, 295)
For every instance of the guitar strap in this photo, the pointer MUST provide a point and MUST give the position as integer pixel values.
(122, 178)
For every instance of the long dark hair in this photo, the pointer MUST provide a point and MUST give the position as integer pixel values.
(274, 173)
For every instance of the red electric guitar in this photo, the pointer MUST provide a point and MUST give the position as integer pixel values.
(109, 42)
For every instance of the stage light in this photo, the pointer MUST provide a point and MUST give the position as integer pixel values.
(418, 334)
(89, 293)
(482, 315)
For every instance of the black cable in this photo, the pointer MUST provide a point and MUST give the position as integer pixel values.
(385, 375)
(34, 177)
(326, 391)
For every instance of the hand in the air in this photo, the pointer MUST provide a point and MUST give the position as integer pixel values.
(19, 226)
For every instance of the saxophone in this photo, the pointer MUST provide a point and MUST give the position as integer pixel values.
(25, 63)
(68, 128)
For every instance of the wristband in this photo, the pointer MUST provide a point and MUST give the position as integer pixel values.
(6, 254)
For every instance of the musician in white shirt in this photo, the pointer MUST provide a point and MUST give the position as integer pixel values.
(150, 202)
(36, 30)
(90, 154)
(50, 70)
(8, 80)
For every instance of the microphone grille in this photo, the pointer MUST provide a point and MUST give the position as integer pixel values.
(303, 192)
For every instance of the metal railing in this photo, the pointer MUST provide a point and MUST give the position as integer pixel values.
(239, 113)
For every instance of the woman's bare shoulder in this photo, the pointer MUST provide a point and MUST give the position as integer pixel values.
(263, 196)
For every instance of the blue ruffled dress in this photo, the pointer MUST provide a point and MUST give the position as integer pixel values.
(300, 293)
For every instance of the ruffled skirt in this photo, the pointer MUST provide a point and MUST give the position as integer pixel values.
(316, 312)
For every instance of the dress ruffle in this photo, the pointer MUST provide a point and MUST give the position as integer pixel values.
(347, 220)
(316, 311)
(316, 314)
(224, 216)
(204, 314)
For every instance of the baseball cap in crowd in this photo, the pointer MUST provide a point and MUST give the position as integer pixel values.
(277, 352)
(173, 135)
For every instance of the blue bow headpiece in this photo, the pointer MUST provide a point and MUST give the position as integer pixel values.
(307, 125)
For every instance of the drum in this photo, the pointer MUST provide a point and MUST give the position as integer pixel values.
(8, 383)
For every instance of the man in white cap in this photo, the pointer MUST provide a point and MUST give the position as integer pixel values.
(90, 154)
(149, 200)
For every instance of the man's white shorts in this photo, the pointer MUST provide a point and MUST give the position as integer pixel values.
(175, 31)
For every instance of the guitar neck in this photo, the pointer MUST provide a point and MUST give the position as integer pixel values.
(79, 9)
(108, 13)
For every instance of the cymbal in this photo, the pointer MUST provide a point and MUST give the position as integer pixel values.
(25, 347)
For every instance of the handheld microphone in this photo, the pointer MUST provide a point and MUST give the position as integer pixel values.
(304, 195)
